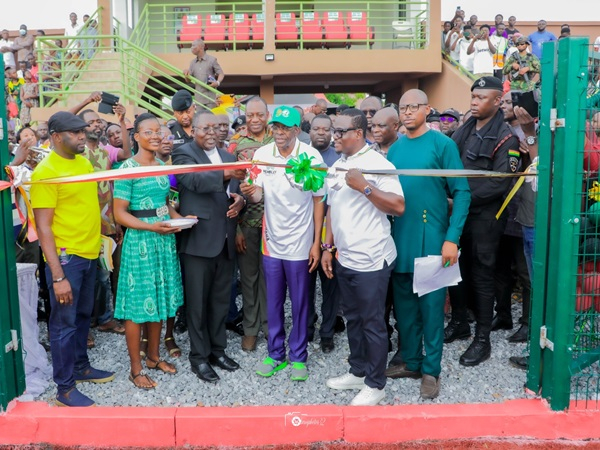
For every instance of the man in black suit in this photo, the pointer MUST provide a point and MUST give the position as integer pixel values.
(208, 248)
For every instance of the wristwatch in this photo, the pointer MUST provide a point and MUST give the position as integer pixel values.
(367, 190)
(531, 140)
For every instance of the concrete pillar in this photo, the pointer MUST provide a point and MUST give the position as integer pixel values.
(106, 23)
(267, 89)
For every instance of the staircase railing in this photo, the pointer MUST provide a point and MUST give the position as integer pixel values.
(68, 75)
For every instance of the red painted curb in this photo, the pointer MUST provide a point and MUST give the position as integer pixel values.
(32, 423)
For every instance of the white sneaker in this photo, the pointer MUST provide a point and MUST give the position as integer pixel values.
(368, 396)
(346, 381)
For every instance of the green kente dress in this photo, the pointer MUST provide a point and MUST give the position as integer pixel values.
(150, 288)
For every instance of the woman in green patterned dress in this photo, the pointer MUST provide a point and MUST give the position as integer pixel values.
(150, 288)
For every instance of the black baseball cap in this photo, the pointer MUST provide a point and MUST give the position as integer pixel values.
(65, 121)
(488, 83)
(241, 120)
(452, 113)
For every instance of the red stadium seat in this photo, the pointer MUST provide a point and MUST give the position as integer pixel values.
(336, 33)
(286, 30)
(214, 31)
(191, 28)
(239, 30)
(358, 28)
(311, 30)
(258, 30)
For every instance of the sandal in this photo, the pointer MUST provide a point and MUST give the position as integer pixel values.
(161, 365)
(112, 326)
(174, 351)
(143, 374)
(143, 347)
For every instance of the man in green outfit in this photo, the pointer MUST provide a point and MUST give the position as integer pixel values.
(523, 68)
(427, 228)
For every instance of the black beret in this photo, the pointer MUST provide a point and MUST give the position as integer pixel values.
(488, 83)
(65, 121)
(182, 100)
(241, 120)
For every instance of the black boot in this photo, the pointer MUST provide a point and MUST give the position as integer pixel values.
(479, 350)
(456, 330)
(521, 335)
(501, 323)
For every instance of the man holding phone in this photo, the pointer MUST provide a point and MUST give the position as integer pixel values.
(523, 68)
(483, 50)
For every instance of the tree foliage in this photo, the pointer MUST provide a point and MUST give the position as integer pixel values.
(348, 99)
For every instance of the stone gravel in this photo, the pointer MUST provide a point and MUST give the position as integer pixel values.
(491, 382)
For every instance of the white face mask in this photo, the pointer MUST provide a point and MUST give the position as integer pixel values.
(22, 32)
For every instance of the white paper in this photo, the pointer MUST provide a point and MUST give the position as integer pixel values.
(430, 275)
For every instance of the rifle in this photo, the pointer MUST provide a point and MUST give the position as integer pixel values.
(515, 73)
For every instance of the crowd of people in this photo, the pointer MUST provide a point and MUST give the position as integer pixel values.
(184, 240)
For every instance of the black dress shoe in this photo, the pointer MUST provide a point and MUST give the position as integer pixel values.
(521, 335)
(327, 345)
(205, 372)
(520, 362)
(456, 330)
(236, 327)
(224, 362)
(402, 372)
(339, 326)
(396, 359)
(479, 350)
(501, 323)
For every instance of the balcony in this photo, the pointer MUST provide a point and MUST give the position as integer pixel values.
(338, 46)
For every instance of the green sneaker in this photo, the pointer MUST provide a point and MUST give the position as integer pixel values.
(269, 366)
(299, 371)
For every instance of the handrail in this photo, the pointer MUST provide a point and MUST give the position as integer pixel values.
(123, 67)
(462, 69)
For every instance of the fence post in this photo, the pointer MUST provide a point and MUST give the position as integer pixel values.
(565, 222)
(541, 262)
(12, 375)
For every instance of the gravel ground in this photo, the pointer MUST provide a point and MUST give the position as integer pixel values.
(493, 381)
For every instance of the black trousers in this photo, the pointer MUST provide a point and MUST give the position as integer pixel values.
(479, 250)
(363, 301)
(329, 307)
(510, 254)
(208, 289)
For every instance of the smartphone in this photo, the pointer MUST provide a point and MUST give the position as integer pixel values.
(528, 100)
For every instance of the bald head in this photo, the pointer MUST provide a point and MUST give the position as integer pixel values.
(414, 96)
(386, 114)
(384, 127)
(321, 106)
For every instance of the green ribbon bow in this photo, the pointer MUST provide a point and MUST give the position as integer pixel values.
(310, 177)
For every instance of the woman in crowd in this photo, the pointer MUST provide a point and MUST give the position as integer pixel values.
(29, 97)
(150, 288)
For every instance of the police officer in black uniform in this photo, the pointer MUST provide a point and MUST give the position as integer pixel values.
(485, 142)
(184, 109)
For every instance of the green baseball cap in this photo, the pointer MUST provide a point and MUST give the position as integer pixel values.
(290, 117)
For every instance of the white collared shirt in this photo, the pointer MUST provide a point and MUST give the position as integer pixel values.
(288, 225)
(362, 233)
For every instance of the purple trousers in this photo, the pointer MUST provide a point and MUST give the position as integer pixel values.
(293, 275)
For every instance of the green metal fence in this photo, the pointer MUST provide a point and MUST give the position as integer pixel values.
(12, 375)
(376, 24)
(565, 323)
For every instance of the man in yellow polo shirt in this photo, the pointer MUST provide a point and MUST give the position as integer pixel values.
(68, 225)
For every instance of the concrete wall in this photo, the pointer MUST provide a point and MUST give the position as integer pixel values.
(448, 89)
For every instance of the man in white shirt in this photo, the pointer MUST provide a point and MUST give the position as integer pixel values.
(73, 27)
(358, 232)
(291, 242)
(462, 46)
(483, 50)
(6, 50)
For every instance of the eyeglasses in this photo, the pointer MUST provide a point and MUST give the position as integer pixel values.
(448, 119)
(149, 133)
(340, 132)
(414, 107)
(521, 43)
(206, 130)
(280, 127)
(169, 138)
(368, 112)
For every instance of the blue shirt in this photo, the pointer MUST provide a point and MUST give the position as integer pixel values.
(330, 156)
(537, 39)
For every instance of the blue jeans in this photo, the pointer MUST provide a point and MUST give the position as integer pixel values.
(103, 300)
(69, 325)
(528, 246)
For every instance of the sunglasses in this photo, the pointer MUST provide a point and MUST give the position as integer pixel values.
(448, 119)
(340, 132)
(368, 112)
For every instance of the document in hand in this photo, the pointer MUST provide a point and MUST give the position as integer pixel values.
(430, 275)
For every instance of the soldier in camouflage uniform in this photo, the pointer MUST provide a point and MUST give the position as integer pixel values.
(523, 68)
